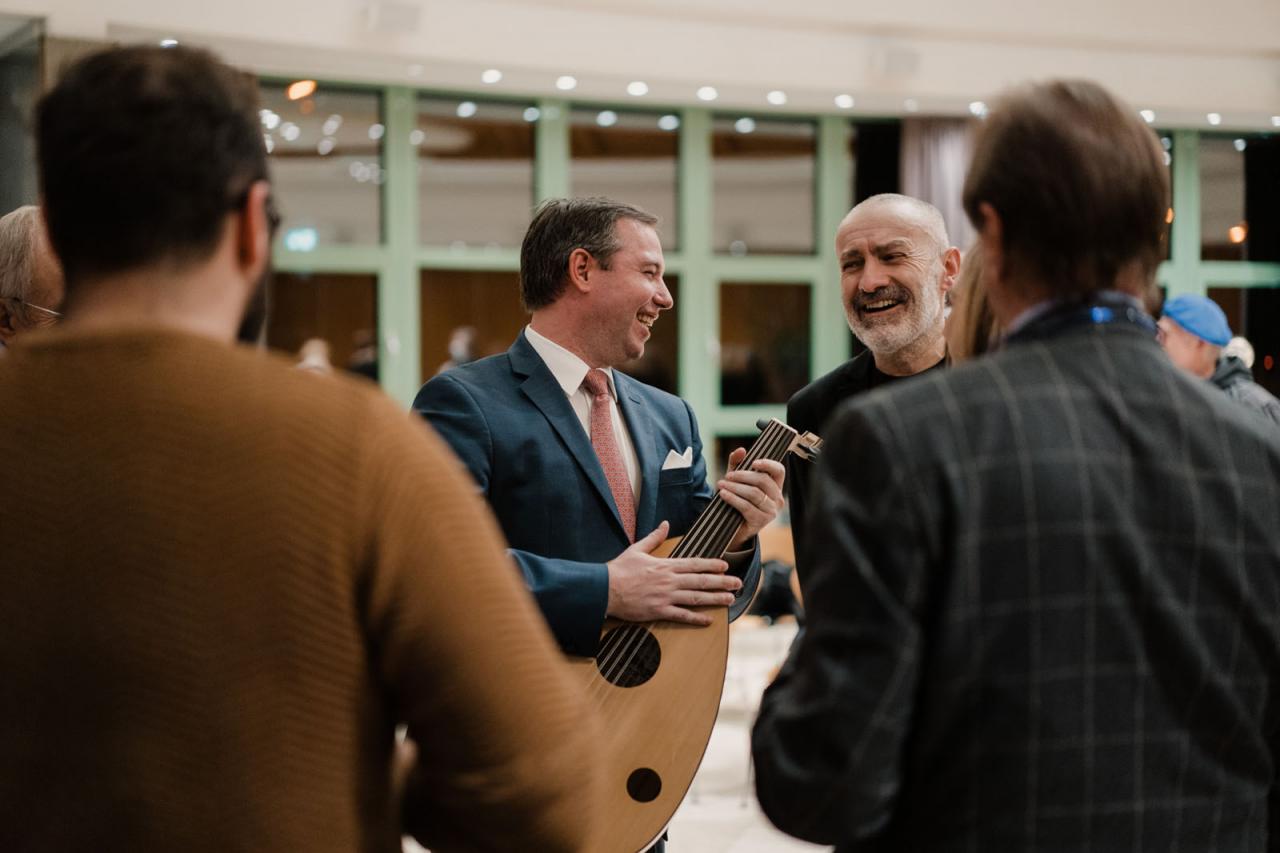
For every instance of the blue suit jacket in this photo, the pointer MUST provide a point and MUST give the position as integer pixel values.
(509, 421)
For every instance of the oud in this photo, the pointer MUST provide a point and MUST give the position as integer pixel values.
(658, 685)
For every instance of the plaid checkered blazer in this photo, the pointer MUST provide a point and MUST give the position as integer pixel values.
(1043, 613)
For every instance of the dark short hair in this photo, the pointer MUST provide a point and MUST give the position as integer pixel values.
(561, 225)
(143, 151)
(1080, 184)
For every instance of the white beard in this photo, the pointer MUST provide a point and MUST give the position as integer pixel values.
(925, 313)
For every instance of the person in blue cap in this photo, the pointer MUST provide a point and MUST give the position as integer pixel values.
(1193, 331)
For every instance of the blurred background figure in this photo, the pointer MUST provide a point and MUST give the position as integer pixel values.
(313, 355)
(1195, 334)
(30, 276)
(462, 348)
(971, 329)
(364, 358)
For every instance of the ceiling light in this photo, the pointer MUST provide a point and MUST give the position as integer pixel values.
(168, 42)
(269, 119)
(978, 108)
(268, 142)
(607, 118)
(290, 131)
(491, 75)
(331, 125)
(376, 131)
(1237, 233)
(708, 93)
(1275, 121)
(1214, 119)
(416, 136)
(637, 88)
(466, 109)
(777, 97)
(1147, 115)
(300, 89)
(911, 105)
(844, 102)
(669, 122)
(532, 114)
(566, 83)
(325, 146)
(745, 125)
(1240, 144)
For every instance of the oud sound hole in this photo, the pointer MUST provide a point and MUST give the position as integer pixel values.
(644, 785)
(629, 656)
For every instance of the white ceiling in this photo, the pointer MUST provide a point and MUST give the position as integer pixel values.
(1182, 60)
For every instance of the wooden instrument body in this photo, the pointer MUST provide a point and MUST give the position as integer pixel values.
(662, 725)
(658, 685)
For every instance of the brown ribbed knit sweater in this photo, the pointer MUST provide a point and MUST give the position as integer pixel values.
(224, 582)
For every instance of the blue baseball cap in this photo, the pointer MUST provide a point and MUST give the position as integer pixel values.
(1200, 316)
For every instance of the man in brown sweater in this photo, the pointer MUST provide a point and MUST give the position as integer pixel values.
(226, 582)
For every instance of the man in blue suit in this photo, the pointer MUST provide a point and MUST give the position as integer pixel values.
(586, 469)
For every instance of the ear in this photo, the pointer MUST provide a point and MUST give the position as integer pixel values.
(991, 236)
(950, 268)
(253, 233)
(8, 324)
(581, 265)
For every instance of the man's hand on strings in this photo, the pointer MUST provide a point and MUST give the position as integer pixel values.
(645, 588)
(755, 492)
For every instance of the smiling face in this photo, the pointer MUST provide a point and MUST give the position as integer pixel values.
(626, 298)
(892, 276)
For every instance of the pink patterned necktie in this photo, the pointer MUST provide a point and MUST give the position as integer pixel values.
(606, 446)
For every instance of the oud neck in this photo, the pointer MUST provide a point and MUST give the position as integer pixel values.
(711, 533)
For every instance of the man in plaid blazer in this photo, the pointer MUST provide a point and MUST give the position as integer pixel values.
(1044, 604)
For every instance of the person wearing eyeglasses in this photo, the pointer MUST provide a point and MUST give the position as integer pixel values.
(30, 276)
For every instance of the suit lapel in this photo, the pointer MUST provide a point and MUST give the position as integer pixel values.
(542, 389)
(644, 438)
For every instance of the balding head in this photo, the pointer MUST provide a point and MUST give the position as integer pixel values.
(30, 277)
(911, 212)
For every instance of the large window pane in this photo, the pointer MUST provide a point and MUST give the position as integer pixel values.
(326, 314)
(629, 157)
(326, 164)
(764, 342)
(467, 315)
(475, 172)
(1239, 202)
(763, 177)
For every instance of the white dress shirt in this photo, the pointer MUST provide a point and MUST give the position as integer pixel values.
(569, 371)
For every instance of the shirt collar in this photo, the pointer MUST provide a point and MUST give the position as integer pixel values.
(1035, 312)
(567, 368)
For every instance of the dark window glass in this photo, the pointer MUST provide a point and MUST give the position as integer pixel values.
(475, 172)
(1254, 314)
(764, 342)
(877, 158)
(629, 157)
(326, 165)
(1239, 201)
(467, 315)
(326, 317)
(763, 181)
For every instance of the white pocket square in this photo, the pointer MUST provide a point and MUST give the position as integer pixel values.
(678, 460)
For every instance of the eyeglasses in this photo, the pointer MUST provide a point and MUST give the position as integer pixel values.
(49, 311)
